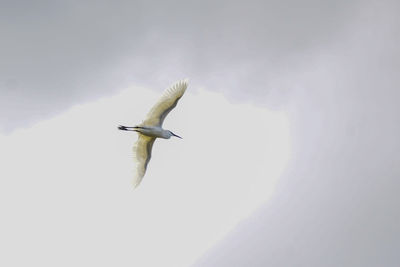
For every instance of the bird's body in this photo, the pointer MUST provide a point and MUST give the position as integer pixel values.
(150, 131)
(151, 128)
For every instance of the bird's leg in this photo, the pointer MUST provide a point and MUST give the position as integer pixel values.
(128, 128)
(125, 128)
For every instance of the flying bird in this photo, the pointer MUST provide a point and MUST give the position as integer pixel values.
(151, 128)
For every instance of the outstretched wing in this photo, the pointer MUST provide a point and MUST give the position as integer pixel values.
(165, 104)
(141, 156)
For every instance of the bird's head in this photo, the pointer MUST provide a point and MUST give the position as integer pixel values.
(172, 134)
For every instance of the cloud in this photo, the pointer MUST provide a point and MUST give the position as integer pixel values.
(337, 202)
(55, 55)
(66, 184)
(331, 66)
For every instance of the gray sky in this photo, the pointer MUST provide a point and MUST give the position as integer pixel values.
(331, 66)
(59, 53)
(338, 202)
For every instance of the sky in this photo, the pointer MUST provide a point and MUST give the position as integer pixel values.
(293, 159)
(70, 200)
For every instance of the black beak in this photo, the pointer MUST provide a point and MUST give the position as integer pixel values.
(176, 135)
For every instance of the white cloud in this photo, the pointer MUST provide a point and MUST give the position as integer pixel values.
(66, 194)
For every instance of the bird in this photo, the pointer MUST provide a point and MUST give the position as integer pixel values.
(151, 128)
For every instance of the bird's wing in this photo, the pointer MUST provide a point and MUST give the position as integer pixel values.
(165, 104)
(141, 156)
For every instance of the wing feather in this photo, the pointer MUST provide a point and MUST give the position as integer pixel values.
(165, 104)
(142, 155)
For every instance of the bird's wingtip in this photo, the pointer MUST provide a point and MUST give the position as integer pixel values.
(180, 84)
(136, 181)
(184, 81)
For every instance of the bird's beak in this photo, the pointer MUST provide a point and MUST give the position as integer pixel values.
(176, 135)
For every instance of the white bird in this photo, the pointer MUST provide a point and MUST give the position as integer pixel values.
(151, 128)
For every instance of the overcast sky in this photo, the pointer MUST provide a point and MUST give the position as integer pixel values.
(311, 92)
(58, 53)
